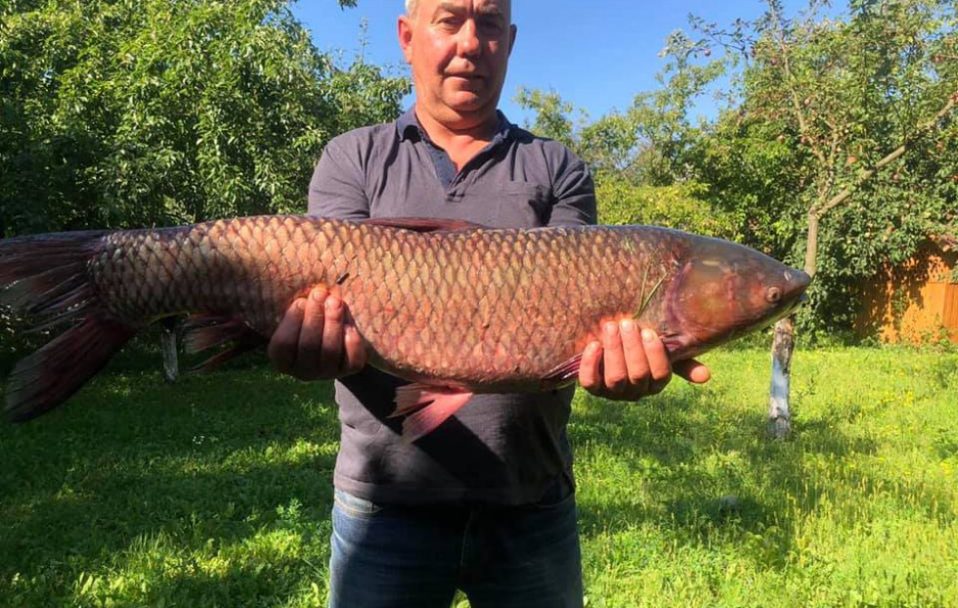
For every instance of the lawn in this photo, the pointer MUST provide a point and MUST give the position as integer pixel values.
(216, 491)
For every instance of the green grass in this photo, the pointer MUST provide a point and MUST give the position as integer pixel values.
(216, 491)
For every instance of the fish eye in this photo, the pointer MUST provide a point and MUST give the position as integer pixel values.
(773, 295)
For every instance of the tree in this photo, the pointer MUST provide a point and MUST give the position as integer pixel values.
(852, 97)
(641, 158)
(128, 113)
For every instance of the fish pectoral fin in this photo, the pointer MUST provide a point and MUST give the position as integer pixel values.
(564, 372)
(426, 407)
(422, 224)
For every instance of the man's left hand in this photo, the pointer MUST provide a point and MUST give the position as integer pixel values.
(630, 363)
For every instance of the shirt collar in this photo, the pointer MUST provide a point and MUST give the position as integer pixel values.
(408, 125)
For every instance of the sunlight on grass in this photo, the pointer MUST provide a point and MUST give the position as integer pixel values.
(216, 491)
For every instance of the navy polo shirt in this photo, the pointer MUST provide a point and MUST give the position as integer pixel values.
(498, 449)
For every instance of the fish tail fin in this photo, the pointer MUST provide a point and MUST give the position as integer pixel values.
(45, 275)
(45, 278)
(49, 376)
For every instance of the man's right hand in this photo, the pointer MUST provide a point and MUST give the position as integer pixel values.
(315, 341)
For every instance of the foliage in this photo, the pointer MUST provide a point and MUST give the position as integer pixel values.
(127, 113)
(680, 205)
(216, 491)
(845, 132)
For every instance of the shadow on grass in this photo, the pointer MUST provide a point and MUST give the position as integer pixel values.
(214, 458)
(710, 475)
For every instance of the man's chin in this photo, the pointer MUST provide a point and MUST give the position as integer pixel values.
(468, 104)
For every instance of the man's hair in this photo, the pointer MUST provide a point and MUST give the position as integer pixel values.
(411, 7)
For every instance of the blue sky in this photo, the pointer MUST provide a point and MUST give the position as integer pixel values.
(597, 54)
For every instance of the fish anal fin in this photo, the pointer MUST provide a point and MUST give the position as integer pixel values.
(426, 407)
(423, 224)
(49, 376)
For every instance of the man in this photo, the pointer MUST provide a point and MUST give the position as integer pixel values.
(484, 503)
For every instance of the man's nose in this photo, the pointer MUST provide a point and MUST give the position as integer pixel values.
(469, 43)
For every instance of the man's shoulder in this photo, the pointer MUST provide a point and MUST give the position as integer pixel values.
(553, 151)
(531, 140)
(365, 135)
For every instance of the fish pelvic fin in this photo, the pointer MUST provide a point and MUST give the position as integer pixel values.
(202, 332)
(49, 376)
(564, 373)
(426, 407)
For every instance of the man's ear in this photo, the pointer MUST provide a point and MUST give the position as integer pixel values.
(512, 36)
(404, 31)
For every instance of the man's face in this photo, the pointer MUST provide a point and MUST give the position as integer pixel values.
(458, 51)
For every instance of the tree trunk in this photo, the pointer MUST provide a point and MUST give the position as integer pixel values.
(783, 345)
(171, 368)
(779, 415)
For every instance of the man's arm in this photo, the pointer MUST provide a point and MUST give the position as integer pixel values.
(315, 339)
(337, 188)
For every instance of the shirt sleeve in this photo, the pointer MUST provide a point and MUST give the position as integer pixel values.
(337, 188)
(574, 192)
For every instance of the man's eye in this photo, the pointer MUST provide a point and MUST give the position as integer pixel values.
(449, 22)
(490, 26)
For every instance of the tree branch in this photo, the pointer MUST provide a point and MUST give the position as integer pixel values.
(889, 158)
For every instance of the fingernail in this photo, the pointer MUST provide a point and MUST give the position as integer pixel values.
(317, 294)
(627, 326)
(593, 348)
(648, 335)
(610, 328)
(300, 304)
(332, 303)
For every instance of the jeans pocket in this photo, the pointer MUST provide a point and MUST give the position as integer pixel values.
(354, 506)
(559, 494)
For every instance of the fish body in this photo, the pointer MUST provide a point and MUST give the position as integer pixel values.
(454, 308)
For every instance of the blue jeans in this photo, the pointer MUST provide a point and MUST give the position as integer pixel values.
(416, 557)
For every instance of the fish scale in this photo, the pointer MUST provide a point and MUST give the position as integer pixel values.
(441, 303)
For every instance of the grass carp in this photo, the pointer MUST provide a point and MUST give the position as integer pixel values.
(452, 307)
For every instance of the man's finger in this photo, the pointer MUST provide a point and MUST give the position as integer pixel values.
(333, 332)
(284, 342)
(615, 374)
(311, 334)
(660, 369)
(589, 367)
(355, 358)
(692, 370)
(636, 358)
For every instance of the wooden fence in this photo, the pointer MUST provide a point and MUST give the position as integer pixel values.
(915, 302)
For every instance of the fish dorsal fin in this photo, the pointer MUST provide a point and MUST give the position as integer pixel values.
(423, 224)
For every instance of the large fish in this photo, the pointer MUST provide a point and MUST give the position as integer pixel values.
(452, 307)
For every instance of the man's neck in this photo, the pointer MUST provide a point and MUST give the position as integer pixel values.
(461, 142)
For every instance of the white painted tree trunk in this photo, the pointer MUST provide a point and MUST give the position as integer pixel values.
(171, 368)
(779, 414)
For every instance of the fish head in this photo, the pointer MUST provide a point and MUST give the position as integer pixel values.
(724, 290)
